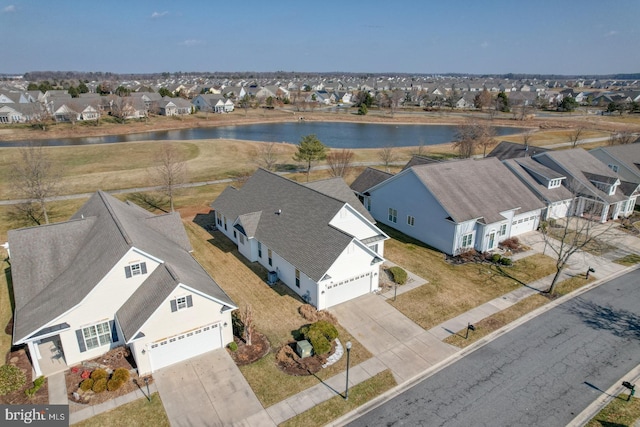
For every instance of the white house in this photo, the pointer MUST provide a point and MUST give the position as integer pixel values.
(113, 275)
(317, 238)
(458, 205)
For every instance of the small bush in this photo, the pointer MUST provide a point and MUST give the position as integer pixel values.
(320, 335)
(86, 385)
(311, 314)
(287, 356)
(114, 384)
(99, 385)
(511, 243)
(505, 261)
(11, 379)
(319, 342)
(495, 258)
(399, 275)
(120, 374)
(99, 374)
(233, 346)
(37, 384)
(468, 255)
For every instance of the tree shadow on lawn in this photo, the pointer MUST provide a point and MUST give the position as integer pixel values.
(621, 323)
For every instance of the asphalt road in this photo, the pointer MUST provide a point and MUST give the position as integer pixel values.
(543, 373)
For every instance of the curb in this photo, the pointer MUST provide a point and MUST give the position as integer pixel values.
(395, 391)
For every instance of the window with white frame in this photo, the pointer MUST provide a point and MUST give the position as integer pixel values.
(241, 239)
(297, 278)
(554, 183)
(503, 229)
(96, 335)
(181, 303)
(467, 240)
(410, 220)
(393, 215)
(135, 269)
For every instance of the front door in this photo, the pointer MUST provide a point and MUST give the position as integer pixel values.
(492, 239)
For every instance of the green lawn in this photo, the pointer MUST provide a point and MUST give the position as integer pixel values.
(140, 412)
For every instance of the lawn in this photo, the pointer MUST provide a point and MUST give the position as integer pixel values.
(618, 413)
(454, 289)
(628, 260)
(336, 407)
(276, 314)
(140, 412)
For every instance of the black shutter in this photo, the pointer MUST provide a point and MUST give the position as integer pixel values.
(143, 267)
(114, 331)
(80, 338)
(174, 306)
(127, 271)
(189, 301)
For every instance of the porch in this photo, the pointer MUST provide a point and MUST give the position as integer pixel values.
(47, 356)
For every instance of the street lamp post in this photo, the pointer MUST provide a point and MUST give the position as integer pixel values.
(346, 393)
(146, 382)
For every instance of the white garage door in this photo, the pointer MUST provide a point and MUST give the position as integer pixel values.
(348, 289)
(522, 224)
(184, 346)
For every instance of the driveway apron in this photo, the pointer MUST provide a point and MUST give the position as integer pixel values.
(208, 390)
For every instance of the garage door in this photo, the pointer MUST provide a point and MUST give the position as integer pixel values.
(184, 346)
(348, 289)
(524, 224)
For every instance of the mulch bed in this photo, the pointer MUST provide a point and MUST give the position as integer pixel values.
(307, 366)
(20, 359)
(247, 354)
(116, 358)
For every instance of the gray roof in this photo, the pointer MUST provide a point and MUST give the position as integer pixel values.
(512, 150)
(582, 168)
(294, 220)
(419, 160)
(369, 178)
(628, 155)
(472, 189)
(528, 170)
(55, 266)
(338, 189)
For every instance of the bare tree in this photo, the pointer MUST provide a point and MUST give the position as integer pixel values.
(36, 179)
(473, 134)
(387, 156)
(268, 155)
(575, 135)
(526, 138)
(420, 149)
(339, 162)
(247, 320)
(170, 171)
(122, 109)
(486, 137)
(397, 96)
(38, 116)
(620, 138)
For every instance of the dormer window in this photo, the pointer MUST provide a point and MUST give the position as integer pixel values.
(613, 167)
(554, 183)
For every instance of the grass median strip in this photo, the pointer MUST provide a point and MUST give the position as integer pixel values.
(617, 413)
(336, 407)
(628, 260)
(140, 412)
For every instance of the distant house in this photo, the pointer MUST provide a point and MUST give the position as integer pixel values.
(369, 178)
(512, 150)
(174, 106)
(316, 238)
(113, 275)
(213, 103)
(456, 206)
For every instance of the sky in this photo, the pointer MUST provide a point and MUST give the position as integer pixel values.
(568, 37)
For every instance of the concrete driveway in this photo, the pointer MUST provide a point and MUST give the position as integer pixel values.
(209, 390)
(391, 337)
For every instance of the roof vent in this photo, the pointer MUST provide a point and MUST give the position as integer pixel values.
(279, 211)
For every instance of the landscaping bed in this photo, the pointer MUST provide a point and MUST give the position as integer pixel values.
(247, 354)
(20, 359)
(114, 359)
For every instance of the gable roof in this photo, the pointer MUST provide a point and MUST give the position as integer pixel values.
(294, 219)
(472, 189)
(512, 150)
(55, 267)
(338, 189)
(419, 160)
(628, 155)
(369, 178)
(530, 171)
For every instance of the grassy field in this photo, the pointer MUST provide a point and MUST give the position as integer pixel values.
(454, 289)
(618, 413)
(137, 413)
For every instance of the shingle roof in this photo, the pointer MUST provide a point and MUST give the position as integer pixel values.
(55, 267)
(470, 189)
(294, 222)
(524, 166)
(511, 150)
(369, 178)
(419, 160)
(338, 189)
(628, 154)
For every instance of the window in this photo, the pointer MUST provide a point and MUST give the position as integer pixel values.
(97, 335)
(181, 303)
(269, 256)
(613, 167)
(297, 278)
(503, 229)
(241, 239)
(135, 269)
(374, 248)
(410, 220)
(393, 215)
(235, 235)
(554, 183)
(467, 240)
(259, 250)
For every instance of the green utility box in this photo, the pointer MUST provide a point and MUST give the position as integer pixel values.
(304, 348)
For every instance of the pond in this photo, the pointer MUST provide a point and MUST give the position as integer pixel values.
(332, 134)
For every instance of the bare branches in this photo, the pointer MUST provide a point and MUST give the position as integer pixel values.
(387, 156)
(170, 170)
(339, 162)
(267, 155)
(574, 136)
(36, 179)
(247, 320)
(471, 135)
(620, 138)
